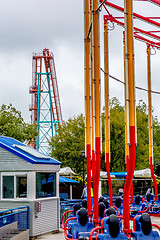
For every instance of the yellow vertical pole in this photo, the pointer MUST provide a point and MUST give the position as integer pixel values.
(107, 114)
(129, 56)
(126, 108)
(87, 101)
(127, 121)
(150, 122)
(96, 105)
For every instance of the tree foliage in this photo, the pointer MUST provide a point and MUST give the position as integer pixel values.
(13, 125)
(70, 140)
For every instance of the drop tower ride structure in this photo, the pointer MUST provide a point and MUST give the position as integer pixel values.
(45, 101)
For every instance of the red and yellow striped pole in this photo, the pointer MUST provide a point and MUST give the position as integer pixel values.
(92, 104)
(87, 102)
(129, 56)
(126, 108)
(126, 120)
(150, 122)
(107, 115)
(96, 79)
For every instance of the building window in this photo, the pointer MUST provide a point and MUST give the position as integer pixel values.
(45, 185)
(8, 186)
(21, 187)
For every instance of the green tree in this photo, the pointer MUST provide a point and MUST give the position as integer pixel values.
(69, 142)
(117, 137)
(13, 125)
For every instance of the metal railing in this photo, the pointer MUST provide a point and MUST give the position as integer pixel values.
(19, 215)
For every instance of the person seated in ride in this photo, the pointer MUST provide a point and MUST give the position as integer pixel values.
(82, 227)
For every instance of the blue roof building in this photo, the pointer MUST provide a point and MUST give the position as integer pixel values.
(25, 181)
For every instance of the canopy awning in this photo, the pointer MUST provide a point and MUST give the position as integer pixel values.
(66, 171)
(118, 174)
(67, 180)
(145, 173)
(61, 180)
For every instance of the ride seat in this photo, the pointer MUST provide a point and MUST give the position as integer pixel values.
(76, 207)
(109, 211)
(137, 206)
(82, 227)
(143, 228)
(112, 227)
(102, 207)
(119, 204)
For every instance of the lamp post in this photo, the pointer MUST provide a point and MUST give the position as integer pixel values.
(83, 156)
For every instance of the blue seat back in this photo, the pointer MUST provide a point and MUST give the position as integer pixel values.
(119, 204)
(139, 234)
(81, 230)
(107, 235)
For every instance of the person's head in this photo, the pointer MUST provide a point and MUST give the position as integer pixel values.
(85, 186)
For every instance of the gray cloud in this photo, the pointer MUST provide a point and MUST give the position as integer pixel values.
(29, 26)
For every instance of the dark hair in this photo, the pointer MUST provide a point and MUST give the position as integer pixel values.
(83, 216)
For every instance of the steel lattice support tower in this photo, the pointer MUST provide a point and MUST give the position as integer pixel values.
(45, 102)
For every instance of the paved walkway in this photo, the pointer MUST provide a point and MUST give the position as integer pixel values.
(54, 236)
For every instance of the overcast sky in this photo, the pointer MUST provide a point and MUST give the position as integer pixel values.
(32, 25)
